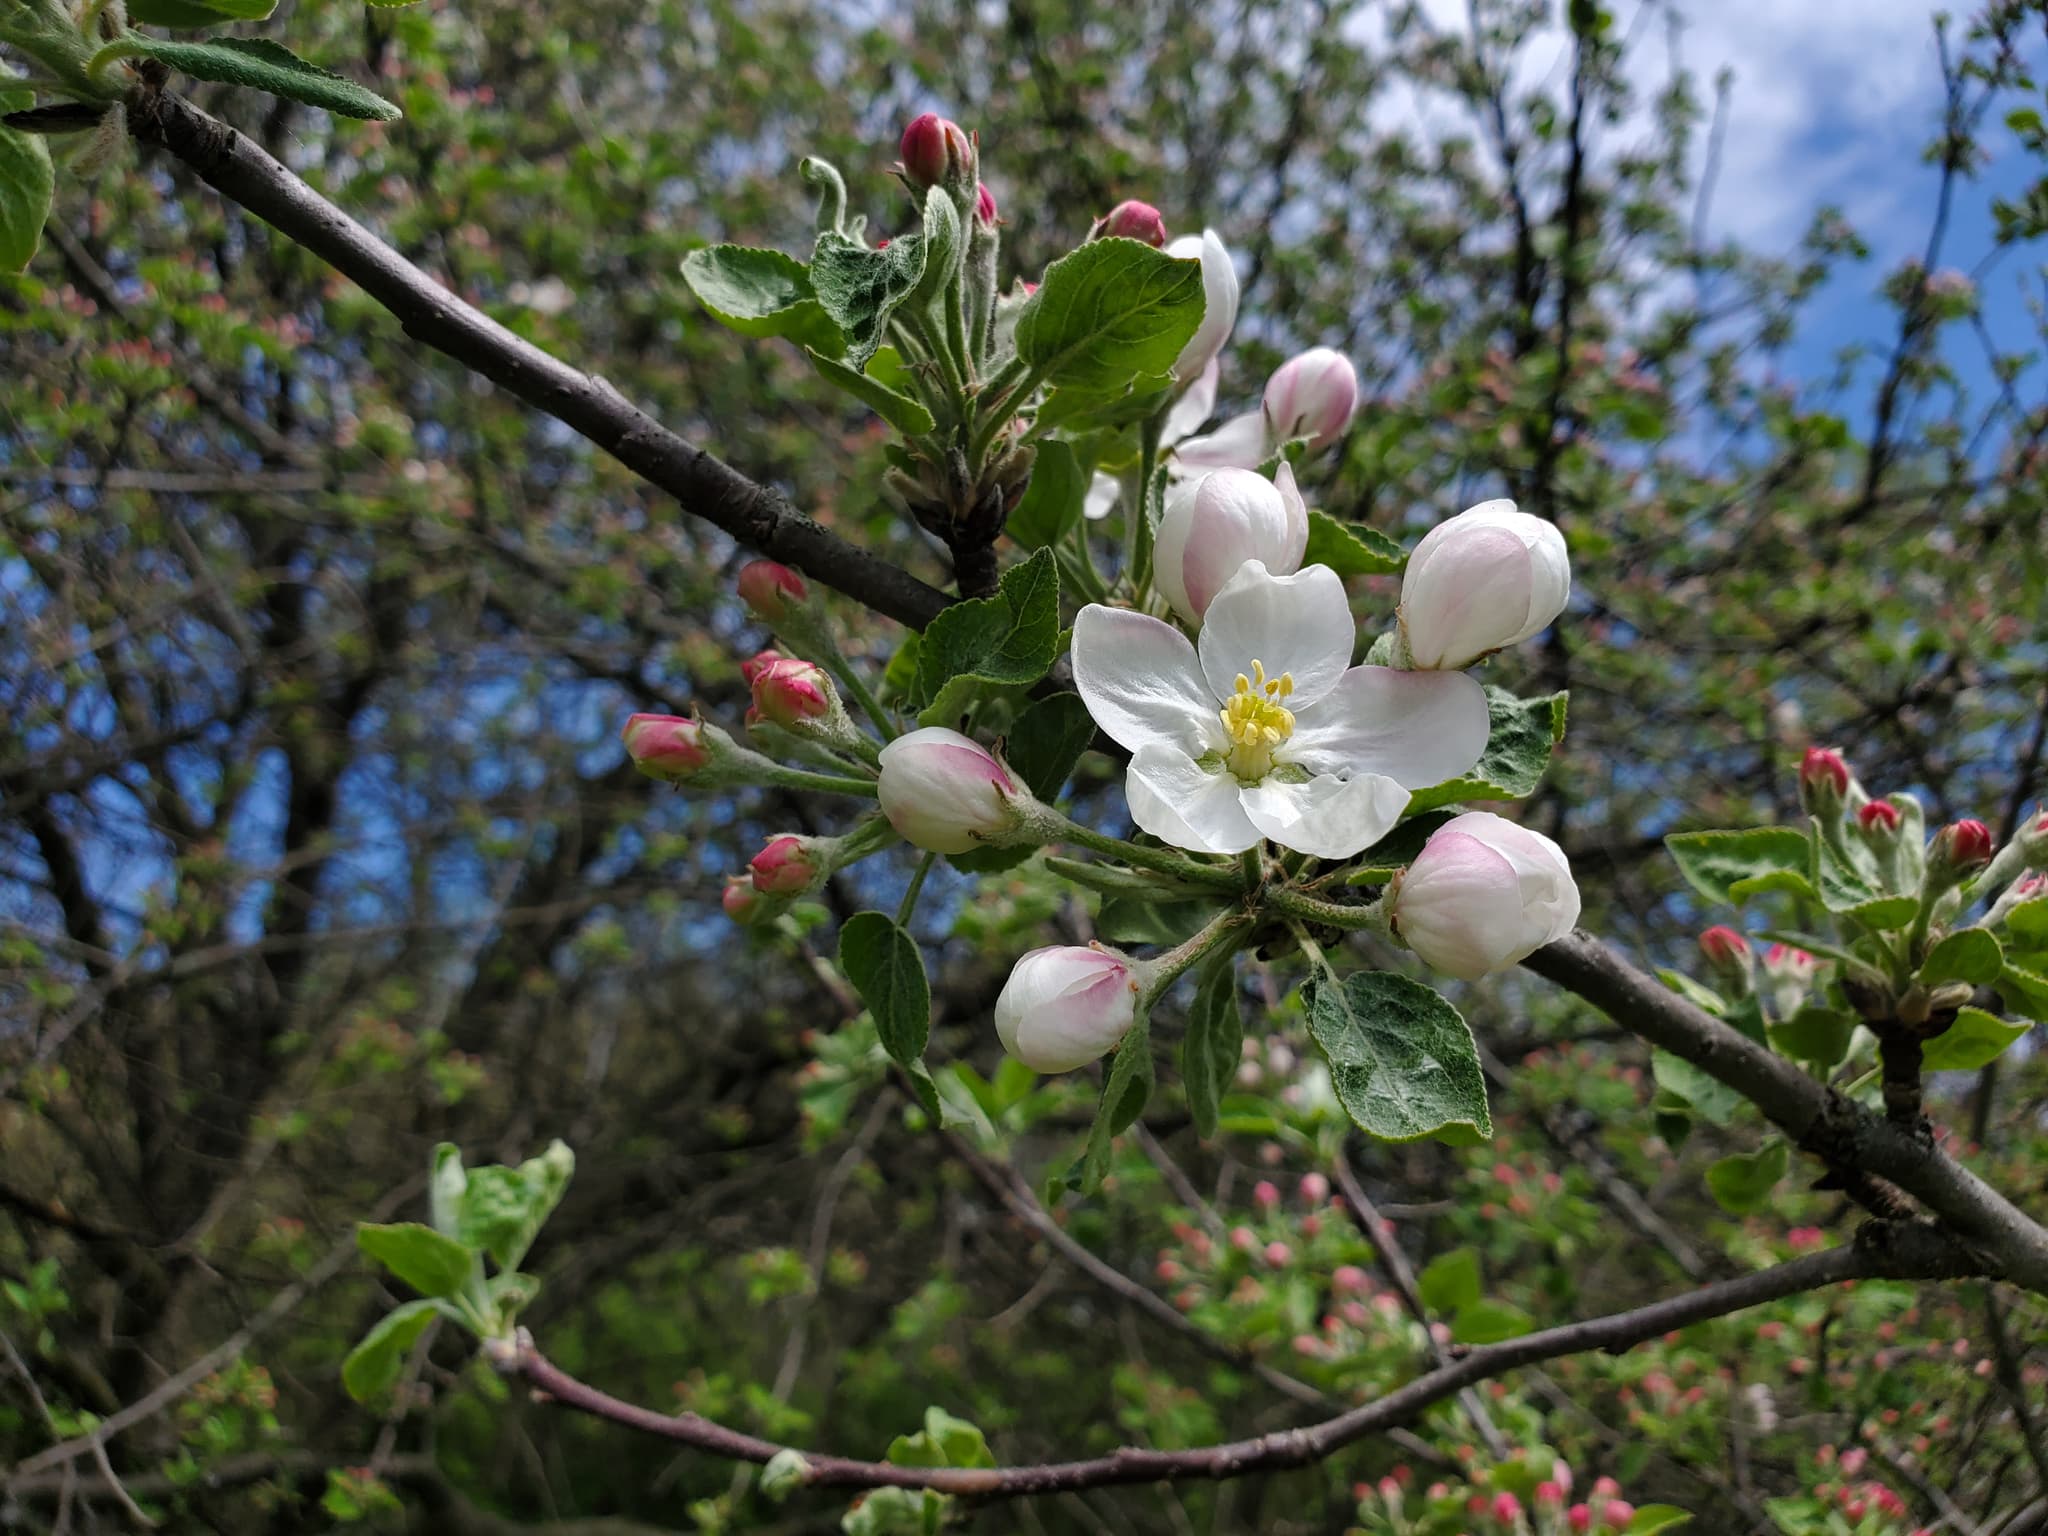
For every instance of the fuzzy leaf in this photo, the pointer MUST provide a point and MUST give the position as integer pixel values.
(761, 293)
(1212, 1048)
(861, 288)
(1109, 312)
(1401, 1057)
(432, 1264)
(1975, 1039)
(1053, 500)
(1716, 863)
(261, 65)
(1450, 1281)
(1520, 735)
(906, 415)
(197, 13)
(1047, 741)
(887, 970)
(1743, 1183)
(373, 1365)
(1968, 954)
(1351, 549)
(1011, 638)
(1690, 1084)
(1123, 1100)
(28, 180)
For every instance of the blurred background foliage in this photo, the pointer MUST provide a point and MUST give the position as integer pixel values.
(317, 846)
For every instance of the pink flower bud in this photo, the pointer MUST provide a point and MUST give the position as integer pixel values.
(788, 866)
(1580, 1517)
(1960, 849)
(984, 204)
(936, 152)
(1064, 1005)
(1311, 396)
(742, 902)
(1853, 1460)
(1784, 963)
(1725, 949)
(1605, 1487)
(1315, 1189)
(769, 590)
(1243, 1239)
(758, 663)
(1266, 1194)
(791, 691)
(1350, 1279)
(1279, 1255)
(1618, 1514)
(1878, 820)
(1213, 524)
(1824, 781)
(1479, 582)
(1131, 220)
(945, 793)
(1390, 1490)
(666, 746)
(1549, 1496)
(1506, 1508)
(1483, 894)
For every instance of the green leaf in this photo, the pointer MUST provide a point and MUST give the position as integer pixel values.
(1080, 411)
(424, 1259)
(1520, 735)
(1052, 500)
(1213, 1046)
(2029, 921)
(1716, 863)
(197, 13)
(1651, 1518)
(761, 293)
(1047, 741)
(1450, 1281)
(861, 288)
(2024, 991)
(28, 181)
(1148, 920)
(1123, 1100)
(1743, 1183)
(1968, 954)
(1401, 1057)
(885, 967)
(1011, 638)
(373, 1365)
(943, 1442)
(446, 1184)
(1885, 914)
(260, 64)
(1975, 1039)
(503, 1209)
(1397, 849)
(1709, 1095)
(1108, 312)
(1814, 1034)
(906, 415)
(1693, 992)
(1351, 549)
(1490, 1322)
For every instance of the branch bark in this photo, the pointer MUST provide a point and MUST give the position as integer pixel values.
(703, 484)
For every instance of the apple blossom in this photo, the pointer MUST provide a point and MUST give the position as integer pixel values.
(1267, 730)
(744, 902)
(758, 663)
(1311, 396)
(1824, 781)
(1219, 297)
(984, 204)
(1959, 850)
(1483, 894)
(791, 692)
(666, 746)
(1479, 582)
(936, 152)
(789, 866)
(1064, 1005)
(946, 793)
(770, 590)
(1131, 220)
(1214, 524)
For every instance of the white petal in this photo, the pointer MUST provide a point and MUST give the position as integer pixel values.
(1418, 728)
(1170, 548)
(1180, 802)
(1300, 624)
(1297, 517)
(1219, 301)
(1193, 408)
(1328, 817)
(1240, 443)
(1456, 610)
(1140, 680)
(1100, 501)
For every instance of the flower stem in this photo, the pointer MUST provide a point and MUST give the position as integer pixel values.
(785, 777)
(1298, 908)
(1066, 829)
(1010, 388)
(863, 695)
(1161, 971)
(1138, 528)
(909, 902)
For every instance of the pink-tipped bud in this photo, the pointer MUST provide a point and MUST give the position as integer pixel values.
(666, 746)
(771, 590)
(984, 204)
(1725, 950)
(1960, 849)
(743, 903)
(1579, 1517)
(1784, 963)
(1824, 780)
(1878, 820)
(1549, 1496)
(945, 793)
(1315, 1189)
(1311, 396)
(1131, 220)
(1265, 1194)
(1605, 1487)
(936, 152)
(1244, 1239)
(1618, 1514)
(790, 692)
(758, 663)
(1390, 1490)
(1065, 1005)
(1506, 1508)
(1349, 1279)
(788, 866)
(1279, 1255)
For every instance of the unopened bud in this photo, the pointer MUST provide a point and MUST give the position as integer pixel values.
(1579, 1517)
(937, 153)
(1506, 1508)
(771, 590)
(1959, 850)
(1549, 1496)
(789, 866)
(1618, 1514)
(1791, 972)
(1878, 820)
(792, 693)
(1311, 396)
(743, 901)
(670, 747)
(1065, 1005)
(1824, 781)
(946, 793)
(1131, 220)
(984, 203)
(1727, 952)
(758, 663)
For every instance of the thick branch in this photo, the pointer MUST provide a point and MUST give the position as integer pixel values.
(704, 485)
(1842, 1134)
(1896, 1250)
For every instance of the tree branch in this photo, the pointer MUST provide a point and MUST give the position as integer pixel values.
(703, 484)
(1896, 1250)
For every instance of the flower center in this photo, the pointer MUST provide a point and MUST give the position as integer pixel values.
(1256, 721)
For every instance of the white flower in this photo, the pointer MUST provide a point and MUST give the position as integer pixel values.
(1483, 894)
(1488, 578)
(946, 793)
(1214, 524)
(1269, 730)
(1310, 396)
(1219, 296)
(1065, 1005)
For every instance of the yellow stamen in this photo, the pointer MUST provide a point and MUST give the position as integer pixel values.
(1256, 722)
